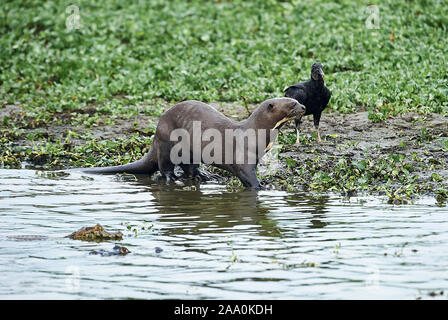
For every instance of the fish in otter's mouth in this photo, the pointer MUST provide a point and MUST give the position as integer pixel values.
(291, 116)
(281, 122)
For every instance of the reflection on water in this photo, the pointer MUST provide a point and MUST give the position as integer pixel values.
(216, 244)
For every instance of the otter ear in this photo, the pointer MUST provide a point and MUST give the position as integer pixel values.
(270, 106)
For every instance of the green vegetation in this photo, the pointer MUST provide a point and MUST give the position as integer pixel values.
(131, 60)
(132, 52)
(393, 175)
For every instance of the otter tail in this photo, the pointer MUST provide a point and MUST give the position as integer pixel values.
(146, 165)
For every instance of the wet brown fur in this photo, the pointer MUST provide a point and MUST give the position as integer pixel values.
(269, 114)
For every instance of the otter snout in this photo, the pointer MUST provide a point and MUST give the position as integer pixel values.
(301, 108)
(298, 110)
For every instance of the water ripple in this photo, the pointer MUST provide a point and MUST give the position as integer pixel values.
(215, 243)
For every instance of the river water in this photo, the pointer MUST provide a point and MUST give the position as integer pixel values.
(212, 243)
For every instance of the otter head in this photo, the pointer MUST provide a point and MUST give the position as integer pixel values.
(274, 113)
(280, 110)
(316, 71)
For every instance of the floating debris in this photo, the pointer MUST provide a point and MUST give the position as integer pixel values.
(96, 233)
(27, 237)
(435, 293)
(116, 251)
(158, 249)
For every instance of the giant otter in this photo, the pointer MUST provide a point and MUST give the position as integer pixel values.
(212, 138)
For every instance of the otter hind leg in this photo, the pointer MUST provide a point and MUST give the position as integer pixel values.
(166, 167)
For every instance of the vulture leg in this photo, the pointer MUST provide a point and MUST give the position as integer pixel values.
(298, 122)
(316, 120)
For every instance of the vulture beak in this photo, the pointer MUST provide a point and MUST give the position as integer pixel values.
(322, 73)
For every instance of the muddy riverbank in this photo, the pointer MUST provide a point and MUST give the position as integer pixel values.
(400, 157)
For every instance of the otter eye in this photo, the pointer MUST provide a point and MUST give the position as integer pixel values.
(270, 106)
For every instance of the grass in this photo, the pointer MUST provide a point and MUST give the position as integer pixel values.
(132, 59)
(135, 51)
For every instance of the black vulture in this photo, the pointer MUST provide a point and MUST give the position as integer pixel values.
(313, 94)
